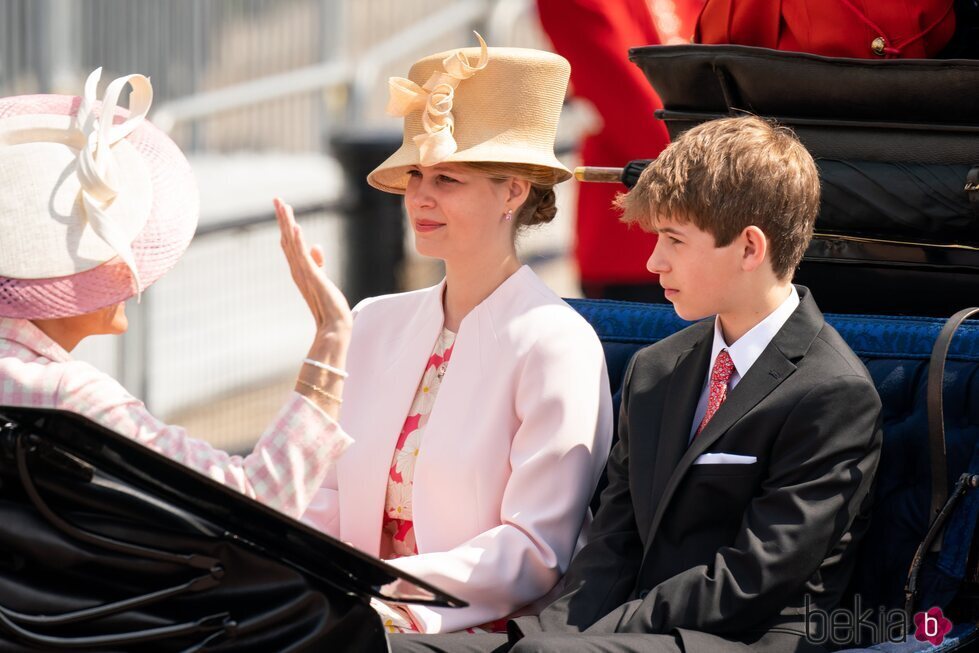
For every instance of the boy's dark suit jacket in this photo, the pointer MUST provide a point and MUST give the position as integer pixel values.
(722, 552)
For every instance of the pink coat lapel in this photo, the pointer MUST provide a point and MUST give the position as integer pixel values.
(374, 411)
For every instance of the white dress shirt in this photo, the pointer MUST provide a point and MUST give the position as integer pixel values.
(745, 350)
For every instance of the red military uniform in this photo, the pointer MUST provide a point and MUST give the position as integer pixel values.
(595, 35)
(835, 28)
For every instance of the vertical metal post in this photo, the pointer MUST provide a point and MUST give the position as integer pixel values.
(374, 222)
(333, 29)
(201, 27)
(55, 45)
(333, 47)
(40, 28)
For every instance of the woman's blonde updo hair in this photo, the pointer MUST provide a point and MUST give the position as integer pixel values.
(540, 206)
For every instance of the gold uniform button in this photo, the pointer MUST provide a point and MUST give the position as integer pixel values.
(877, 45)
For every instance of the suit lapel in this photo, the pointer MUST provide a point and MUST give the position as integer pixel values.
(686, 383)
(776, 363)
(765, 375)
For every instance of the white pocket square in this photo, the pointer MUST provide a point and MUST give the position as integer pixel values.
(724, 459)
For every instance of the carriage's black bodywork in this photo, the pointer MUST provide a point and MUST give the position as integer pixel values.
(897, 144)
(107, 545)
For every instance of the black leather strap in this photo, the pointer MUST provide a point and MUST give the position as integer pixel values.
(936, 417)
(965, 483)
(198, 584)
(215, 624)
(194, 560)
(19, 625)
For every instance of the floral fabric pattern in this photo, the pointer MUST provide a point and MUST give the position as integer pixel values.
(398, 534)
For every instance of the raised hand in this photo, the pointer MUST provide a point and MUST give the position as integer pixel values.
(329, 307)
(319, 380)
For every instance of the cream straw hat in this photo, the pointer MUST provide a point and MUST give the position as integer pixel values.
(92, 212)
(477, 105)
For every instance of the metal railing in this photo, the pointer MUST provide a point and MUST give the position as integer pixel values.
(215, 345)
(225, 331)
(239, 74)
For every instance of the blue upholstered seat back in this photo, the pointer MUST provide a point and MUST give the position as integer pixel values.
(896, 351)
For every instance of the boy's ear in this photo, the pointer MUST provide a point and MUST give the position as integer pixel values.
(755, 250)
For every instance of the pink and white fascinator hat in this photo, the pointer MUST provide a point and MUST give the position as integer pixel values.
(498, 105)
(92, 210)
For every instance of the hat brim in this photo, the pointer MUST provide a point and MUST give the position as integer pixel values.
(392, 175)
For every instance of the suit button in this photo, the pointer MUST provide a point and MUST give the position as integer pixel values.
(877, 46)
(643, 594)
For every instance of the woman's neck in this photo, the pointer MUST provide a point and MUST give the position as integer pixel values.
(468, 284)
(62, 330)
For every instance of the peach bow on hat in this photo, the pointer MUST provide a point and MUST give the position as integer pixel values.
(434, 99)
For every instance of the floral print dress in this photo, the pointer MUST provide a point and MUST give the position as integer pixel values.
(397, 532)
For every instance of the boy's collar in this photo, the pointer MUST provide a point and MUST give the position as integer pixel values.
(746, 349)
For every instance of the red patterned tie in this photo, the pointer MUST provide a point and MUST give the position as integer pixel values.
(719, 376)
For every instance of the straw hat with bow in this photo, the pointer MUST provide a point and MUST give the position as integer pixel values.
(496, 105)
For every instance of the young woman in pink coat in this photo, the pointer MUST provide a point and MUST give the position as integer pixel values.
(479, 408)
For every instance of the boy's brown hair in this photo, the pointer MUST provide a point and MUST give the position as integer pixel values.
(728, 174)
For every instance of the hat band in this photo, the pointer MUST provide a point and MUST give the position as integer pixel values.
(434, 99)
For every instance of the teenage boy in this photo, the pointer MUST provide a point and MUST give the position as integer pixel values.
(741, 481)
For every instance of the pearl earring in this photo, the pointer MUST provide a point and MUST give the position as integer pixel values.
(508, 216)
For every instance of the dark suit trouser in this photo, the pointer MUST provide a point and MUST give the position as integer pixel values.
(539, 643)
(773, 642)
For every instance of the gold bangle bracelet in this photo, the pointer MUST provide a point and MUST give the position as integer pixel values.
(317, 389)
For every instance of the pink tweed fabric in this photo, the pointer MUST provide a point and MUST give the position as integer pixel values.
(165, 237)
(287, 466)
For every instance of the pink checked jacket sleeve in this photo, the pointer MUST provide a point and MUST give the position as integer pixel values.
(286, 467)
